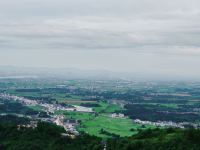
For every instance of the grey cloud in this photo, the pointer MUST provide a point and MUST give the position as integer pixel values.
(118, 7)
(102, 24)
(102, 32)
(151, 35)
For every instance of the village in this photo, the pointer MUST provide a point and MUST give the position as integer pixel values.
(70, 125)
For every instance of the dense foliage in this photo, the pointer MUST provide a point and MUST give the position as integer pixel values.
(49, 137)
(156, 112)
(15, 107)
(12, 119)
(158, 139)
(45, 137)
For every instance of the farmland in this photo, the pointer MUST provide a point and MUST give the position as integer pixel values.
(154, 104)
(122, 127)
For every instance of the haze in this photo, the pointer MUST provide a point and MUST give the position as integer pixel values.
(144, 37)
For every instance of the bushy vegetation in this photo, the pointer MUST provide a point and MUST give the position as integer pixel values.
(12, 119)
(49, 137)
(15, 107)
(45, 137)
(158, 139)
(156, 112)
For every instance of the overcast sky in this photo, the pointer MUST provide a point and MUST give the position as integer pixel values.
(137, 36)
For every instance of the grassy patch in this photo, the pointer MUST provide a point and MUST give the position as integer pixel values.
(93, 125)
(117, 126)
(169, 105)
(79, 116)
(76, 115)
(107, 108)
(37, 108)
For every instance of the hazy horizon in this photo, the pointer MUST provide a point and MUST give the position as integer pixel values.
(151, 38)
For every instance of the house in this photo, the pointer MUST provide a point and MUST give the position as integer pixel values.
(117, 115)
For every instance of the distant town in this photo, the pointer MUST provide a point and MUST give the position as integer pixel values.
(71, 124)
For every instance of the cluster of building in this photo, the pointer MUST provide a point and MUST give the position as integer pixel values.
(51, 108)
(68, 124)
(167, 124)
(117, 115)
(159, 123)
(82, 109)
(22, 100)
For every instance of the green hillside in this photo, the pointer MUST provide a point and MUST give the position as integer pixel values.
(158, 139)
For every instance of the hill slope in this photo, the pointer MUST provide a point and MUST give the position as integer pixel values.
(160, 139)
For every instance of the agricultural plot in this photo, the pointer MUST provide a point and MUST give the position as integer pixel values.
(153, 102)
(107, 108)
(37, 108)
(117, 126)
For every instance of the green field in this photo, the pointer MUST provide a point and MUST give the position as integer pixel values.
(169, 105)
(117, 126)
(92, 124)
(78, 115)
(107, 108)
(37, 108)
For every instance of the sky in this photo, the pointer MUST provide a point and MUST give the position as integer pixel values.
(135, 36)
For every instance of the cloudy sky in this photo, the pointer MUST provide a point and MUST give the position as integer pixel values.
(136, 36)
